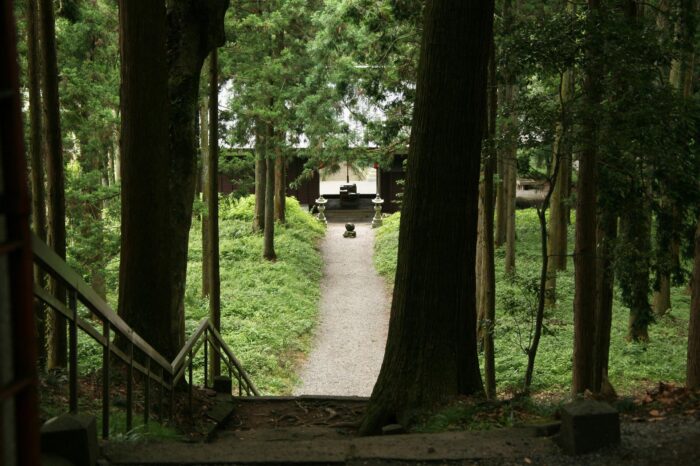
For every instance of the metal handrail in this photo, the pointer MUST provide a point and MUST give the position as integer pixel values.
(166, 375)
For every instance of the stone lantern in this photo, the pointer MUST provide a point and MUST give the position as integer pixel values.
(377, 220)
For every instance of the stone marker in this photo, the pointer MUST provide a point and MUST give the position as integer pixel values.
(71, 436)
(393, 429)
(223, 384)
(588, 425)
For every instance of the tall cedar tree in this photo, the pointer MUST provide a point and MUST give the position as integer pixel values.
(189, 30)
(509, 152)
(204, 151)
(487, 299)
(37, 160)
(58, 350)
(431, 353)
(585, 249)
(144, 298)
(213, 206)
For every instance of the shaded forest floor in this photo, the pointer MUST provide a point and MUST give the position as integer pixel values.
(634, 367)
(662, 427)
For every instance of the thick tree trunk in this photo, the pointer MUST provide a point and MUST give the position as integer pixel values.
(194, 29)
(606, 236)
(280, 186)
(161, 67)
(586, 225)
(204, 150)
(269, 230)
(693, 367)
(213, 207)
(36, 163)
(57, 344)
(431, 348)
(145, 300)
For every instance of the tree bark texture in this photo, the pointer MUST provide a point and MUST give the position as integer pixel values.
(57, 344)
(194, 28)
(586, 225)
(213, 207)
(145, 299)
(693, 367)
(280, 186)
(431, 348)
(38, 189)
(510, 134)
(606, 235)
(269, 230)
(488, 278)
(162, 52)
(260, 178)
(204, 150)
(557, 244)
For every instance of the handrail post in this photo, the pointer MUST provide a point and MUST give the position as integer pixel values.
(105, 378)
(191, 382)
(171, 406)
(129, 386)
(73, 343)
(147, 392)
(206, 359)
(160, 395)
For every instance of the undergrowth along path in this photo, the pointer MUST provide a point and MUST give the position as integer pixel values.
(353, 318)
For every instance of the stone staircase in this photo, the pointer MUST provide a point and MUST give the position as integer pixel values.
(321, 431)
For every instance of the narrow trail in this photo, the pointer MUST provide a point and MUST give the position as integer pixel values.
(353, 319)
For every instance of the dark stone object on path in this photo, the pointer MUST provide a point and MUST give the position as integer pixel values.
(350, 231)
(223, 384)
(393, 429)
(71, 436)
(588, 425)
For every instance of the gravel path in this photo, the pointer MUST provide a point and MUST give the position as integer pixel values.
(353, 318)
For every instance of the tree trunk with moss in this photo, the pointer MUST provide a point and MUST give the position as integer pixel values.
(488, 278)
(162, 56)
(510, 146)
(204, 151)
(57, 343)
(37, 163)
(431, 356)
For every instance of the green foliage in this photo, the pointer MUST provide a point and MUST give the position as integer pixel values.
(471, 414)
(268, 309)
(632, 365)
(386, 245)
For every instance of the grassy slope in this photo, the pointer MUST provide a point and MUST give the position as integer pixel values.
(631, 365)
(268, 309)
